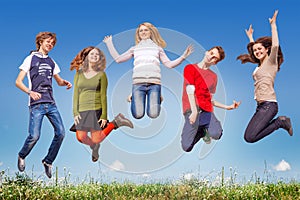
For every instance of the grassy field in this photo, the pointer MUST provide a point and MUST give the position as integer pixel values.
(22, 187)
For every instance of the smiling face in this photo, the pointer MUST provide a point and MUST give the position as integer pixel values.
(259, 51)
(47, 45)
(93, 56)
(144, 32)
(212, 56)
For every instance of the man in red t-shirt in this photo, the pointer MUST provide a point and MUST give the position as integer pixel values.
(199, 85)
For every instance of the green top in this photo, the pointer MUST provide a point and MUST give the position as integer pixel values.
(90, 93)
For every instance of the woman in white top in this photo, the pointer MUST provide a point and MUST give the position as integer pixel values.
(148, 53)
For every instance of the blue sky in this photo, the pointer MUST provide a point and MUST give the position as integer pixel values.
(152, 150)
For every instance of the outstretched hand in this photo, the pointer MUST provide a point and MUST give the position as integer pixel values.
(107, 39)
(273, 19)
(235, 105)
(249, 33)
(67, 83)
(188, 51)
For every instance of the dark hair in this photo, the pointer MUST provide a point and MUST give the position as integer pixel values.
(80, 61)
(267, 43)
(221, 52)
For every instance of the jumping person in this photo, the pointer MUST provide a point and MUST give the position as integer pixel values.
(90, 101)
(40, 69)
(147, 53)
(265, 52)
(199, 85)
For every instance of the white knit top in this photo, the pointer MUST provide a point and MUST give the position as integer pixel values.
(147, 56)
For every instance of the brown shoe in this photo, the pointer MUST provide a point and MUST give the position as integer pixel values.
(121, 120)
(286, 124)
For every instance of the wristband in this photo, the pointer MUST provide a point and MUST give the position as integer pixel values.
(29, 91)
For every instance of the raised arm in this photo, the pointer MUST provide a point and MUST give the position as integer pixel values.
(249, 33)
(111, 48)
(113, 52)
(171, 64)
(275, 40)
(234, 105)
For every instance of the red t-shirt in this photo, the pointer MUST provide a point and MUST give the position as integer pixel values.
(205, 82)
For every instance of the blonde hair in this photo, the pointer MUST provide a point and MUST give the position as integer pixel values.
(154, 36)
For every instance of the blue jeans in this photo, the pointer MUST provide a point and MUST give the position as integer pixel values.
(262, 122)
(37, 113)
(192, 133)
(138, 102)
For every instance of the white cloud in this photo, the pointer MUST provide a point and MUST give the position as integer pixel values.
(1, 163)
(282, 166)
(146, 175)
(188, 176)
(117, 165)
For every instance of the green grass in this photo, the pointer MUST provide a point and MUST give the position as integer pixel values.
(23, 187)
(151, 191)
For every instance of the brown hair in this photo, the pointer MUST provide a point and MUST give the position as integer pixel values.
(267, 43)
(155, 36)
(81, 60)
(221, 52)
(40, 37)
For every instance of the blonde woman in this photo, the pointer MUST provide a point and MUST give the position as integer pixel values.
(147, 53)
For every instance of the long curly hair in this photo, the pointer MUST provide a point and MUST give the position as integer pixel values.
(155, 36)
(267, 43)
(80, 62)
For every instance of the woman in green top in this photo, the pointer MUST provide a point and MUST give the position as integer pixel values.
(90, 102)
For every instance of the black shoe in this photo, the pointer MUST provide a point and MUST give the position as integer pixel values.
(287, 124)
(48, 168)
(121, 120)
(21, 164)
(95, 152)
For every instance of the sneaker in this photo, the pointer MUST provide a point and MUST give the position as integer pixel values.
(206, 137)
(21, 164)
(95, 152)
(48, 169)
(287, 124)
